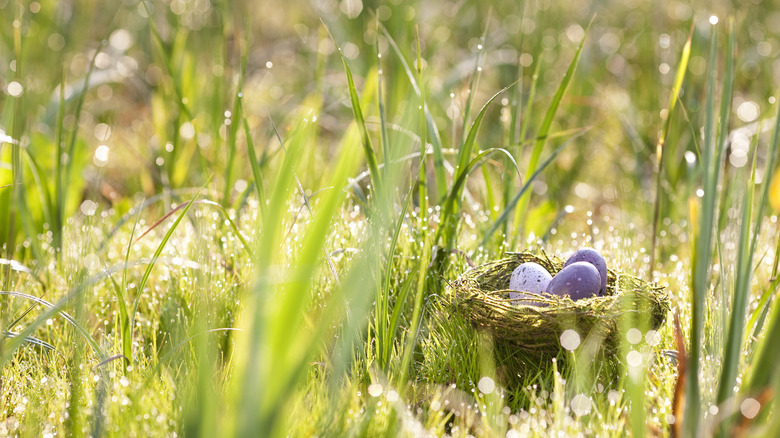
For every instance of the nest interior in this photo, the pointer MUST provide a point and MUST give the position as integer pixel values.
(481, 296)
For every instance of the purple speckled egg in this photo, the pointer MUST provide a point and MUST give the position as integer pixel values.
(578, 280)
(593, 257)
(529, 277)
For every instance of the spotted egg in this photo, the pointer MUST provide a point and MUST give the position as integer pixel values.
(528, 277)
(593, 257)
(578, 280)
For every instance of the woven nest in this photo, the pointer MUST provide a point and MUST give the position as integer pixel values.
(481, 295)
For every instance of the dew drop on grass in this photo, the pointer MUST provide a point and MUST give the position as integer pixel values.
(613, 397)
(392, 396)
(747, 111)
(14, 88)
(652, 338)
(375, 390)
(88, 207)
(486, 385)
(749, 408)
(570, 340)
(100, 158)
(634, 358)
(633, 335)
(580, 405)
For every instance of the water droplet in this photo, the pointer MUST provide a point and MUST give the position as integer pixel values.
(580, 405)
(750, 407)
(486, 385)
(375, 390)
(634, 358)
(570, 340)
(633, 335)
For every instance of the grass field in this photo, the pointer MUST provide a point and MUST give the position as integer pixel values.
(244, 218)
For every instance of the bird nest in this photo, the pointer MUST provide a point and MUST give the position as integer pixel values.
(481, 295)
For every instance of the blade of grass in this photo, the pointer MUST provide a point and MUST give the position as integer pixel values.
(472, 91)
(451, 209)
(30, 340)
(395, 317)
(430, 124)
(512, 203)
(156, 255)
(544, 129)
(305, 197)
(745, 256)
(167, 61)
(732, 348)
(283, 338)
(233, 129)
(216, 205)
(368, 149)
(426, 125)
(124, 315)
(252, 383)
(387, 332)
(682, 67)
(254, 164)
(384, 143)
(702, 250)
(767, 354)
(55, 308)
(58, 181)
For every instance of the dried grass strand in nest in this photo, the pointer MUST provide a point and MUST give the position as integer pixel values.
(481, 295)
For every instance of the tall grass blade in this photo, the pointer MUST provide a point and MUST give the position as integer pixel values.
(659, 148)
(368, 149)
(156, 255)
(527, 185)
(746, 252)
(472, 91)
(549, 116)
(386, 331)
(234, 128)
(53, 307)
(767, 354)
(30, 340)
(733, 345)
(451, 209)
(702, 250)
(282, 336)
(167, 61)
(430, 124)
(254, 163)
(384, 143)
(306, 200)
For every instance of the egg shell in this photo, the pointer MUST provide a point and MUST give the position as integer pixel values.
(578, 280)
(593, 257)
(528, 277)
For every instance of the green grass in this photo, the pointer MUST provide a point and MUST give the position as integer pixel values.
(290, 188)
